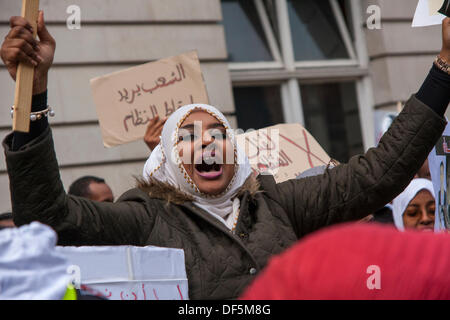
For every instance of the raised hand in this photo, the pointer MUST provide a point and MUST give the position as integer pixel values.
(153, 132)
(20, 46)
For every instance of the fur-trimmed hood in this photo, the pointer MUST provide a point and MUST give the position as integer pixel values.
(165, 191)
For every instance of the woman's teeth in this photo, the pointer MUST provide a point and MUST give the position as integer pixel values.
(204, 167)
(209, 171)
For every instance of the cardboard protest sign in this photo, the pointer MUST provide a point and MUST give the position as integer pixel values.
(434, 6)
(127, 100)
(127, 272)
(284, 150)
(427, 13)
(439, 164)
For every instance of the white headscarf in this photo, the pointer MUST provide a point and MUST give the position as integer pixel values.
(403, 199)
(164, 164)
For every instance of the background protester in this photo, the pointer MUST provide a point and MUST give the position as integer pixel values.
(228, 222)
(361, 262)
(415, 207)
(6, 220)
(153, 132)
(384, 215)
(315, 171)
(93, 188)
(424, 171)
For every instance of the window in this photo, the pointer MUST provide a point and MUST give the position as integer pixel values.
(243, 25)
(301, 61)
(315, 32)
(258, 107)
(331, 116)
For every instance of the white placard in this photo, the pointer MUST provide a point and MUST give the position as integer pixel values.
(128, 272)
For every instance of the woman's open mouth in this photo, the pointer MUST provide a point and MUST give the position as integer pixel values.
(208, 168)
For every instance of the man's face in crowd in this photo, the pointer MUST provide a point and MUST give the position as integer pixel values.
(100, 192)
(420, 212)
(424, 171)
(7, 223)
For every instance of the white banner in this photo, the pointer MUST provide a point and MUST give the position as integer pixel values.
(127, 272)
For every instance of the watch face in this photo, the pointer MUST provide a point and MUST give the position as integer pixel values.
(442, 64)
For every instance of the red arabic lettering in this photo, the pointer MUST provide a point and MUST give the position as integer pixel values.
(179, 291)
(160, 82)
(123, 96)
(260, 144)
(109, 294)
(154, 293)
(250, 142)
(143, 290)
(92, 291)
(269, 163)
(262, 167)
(134, 93)
(123, 298)
(301, 148)
(179, 104)
(153, 110)
(138, 117)
(269, 140)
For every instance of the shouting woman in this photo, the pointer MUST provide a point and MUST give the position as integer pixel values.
(228, 221)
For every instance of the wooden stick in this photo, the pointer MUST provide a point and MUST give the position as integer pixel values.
(25, 74)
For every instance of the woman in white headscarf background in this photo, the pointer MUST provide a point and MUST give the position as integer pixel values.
(415, 207)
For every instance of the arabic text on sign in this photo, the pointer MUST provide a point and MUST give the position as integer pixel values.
(143, 116)
(129, 95)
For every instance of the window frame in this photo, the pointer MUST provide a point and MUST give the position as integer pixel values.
(288, 73)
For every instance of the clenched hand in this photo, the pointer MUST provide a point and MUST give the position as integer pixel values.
(20, 46)
(153, 132)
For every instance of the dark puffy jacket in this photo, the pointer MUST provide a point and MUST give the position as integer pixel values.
(220, 264)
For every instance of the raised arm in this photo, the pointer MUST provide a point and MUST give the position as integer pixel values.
(354, 190)
(37, 193)
(20, 46)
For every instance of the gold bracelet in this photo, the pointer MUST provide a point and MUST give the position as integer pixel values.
(38, 114)
(442, 64)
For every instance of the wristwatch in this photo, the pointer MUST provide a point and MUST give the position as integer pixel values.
(442, 64)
